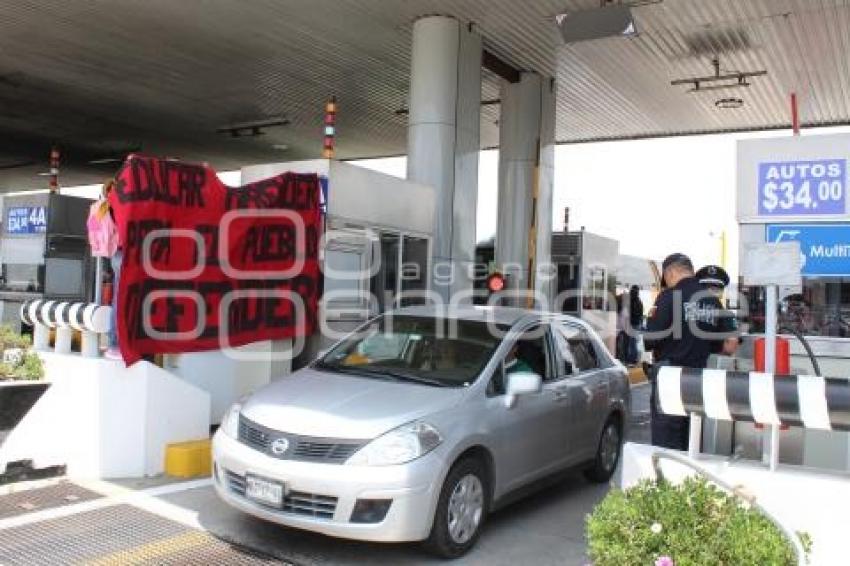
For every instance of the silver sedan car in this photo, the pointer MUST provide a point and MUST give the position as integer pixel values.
(421, 422)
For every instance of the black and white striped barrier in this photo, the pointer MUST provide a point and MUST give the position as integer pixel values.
(797, 400)
(89, 318)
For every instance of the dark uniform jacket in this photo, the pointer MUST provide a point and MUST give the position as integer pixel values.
(686, 325)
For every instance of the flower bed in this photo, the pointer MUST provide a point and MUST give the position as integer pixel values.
(690, 524)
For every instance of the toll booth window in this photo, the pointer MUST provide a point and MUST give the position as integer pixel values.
(345, 288)
(596, 297)
(568, 284)
(385, 280)
(822, 309)
(64, 277)
(23, 277)
(414, 271)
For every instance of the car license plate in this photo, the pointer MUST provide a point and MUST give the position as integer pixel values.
(264, 491)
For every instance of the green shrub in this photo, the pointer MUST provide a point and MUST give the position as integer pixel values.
(30, 368)
(693, 524)
(27, 366)
(11, 339)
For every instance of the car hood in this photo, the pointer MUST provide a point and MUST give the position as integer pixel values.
(325, 404)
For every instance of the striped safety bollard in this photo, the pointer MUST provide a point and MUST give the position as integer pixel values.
(807, 401)
(89, 318)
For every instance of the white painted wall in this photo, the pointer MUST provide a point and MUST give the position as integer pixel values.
(229, 375)
(103, 420)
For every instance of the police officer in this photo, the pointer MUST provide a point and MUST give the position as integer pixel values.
(684, 327)
(715, 279)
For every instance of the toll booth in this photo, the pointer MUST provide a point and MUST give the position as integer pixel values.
(375, 255)
(377, 247)
(586, 265)
(585, 272)
(795, 189)
(43, 252)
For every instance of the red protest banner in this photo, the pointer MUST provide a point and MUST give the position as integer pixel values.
(206, 266)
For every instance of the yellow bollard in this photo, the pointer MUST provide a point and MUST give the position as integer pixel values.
(189, 459)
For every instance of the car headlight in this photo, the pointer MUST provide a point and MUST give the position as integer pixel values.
(399, 446)
(230, 421)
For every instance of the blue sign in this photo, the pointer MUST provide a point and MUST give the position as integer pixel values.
(26, 220)
(803, 188)
(825, 248)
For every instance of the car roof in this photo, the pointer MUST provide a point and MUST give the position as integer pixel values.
(509, 316)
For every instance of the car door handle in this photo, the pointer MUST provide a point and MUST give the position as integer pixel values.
(561, 394)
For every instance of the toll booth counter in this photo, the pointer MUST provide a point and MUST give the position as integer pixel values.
(43, 252)
(795, 189)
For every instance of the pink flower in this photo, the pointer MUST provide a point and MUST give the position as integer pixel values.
(664, 561)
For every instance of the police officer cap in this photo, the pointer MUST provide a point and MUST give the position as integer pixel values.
(677, 259)
(713, 275)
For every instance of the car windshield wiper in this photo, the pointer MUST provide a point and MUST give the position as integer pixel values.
(354, 370)
(386, 373)
(403, 376)
(321, 364)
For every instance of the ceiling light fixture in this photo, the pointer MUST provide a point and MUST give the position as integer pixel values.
(253, 128)
(493, 102)
(729, 103)
(719, 80)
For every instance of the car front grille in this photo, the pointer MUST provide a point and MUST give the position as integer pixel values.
(294, 502)
(302, 448)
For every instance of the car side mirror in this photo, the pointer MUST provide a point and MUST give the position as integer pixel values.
(521, 383)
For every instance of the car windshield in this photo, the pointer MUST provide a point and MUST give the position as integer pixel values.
(431, 351)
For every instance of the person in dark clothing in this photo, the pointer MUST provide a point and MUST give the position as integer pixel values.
(684, 327)
(715, 279)
(635, 324)
(622, 323)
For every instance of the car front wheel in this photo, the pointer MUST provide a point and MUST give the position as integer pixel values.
(461, 510)
(607, 453)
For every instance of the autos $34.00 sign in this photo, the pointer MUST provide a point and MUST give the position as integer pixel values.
(802, 188)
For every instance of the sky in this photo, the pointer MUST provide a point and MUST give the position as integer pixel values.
(655, 196)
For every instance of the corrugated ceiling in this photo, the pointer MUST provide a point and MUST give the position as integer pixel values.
(101, 78)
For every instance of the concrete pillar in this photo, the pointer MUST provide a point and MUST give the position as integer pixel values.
(63, 339)
(443, 140)
(526, 180)
(546, 276)
(40, 337)
(90, 344)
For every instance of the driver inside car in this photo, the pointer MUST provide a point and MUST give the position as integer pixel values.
(514, 363)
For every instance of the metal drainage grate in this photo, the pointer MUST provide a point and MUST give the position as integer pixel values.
(118, 536)
(294, 502)
(38, 499)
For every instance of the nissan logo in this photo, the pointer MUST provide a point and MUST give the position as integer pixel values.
(279, 446)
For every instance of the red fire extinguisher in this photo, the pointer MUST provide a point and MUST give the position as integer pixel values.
(783, 360)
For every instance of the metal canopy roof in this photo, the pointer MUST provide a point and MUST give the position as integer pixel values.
(102, 78)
